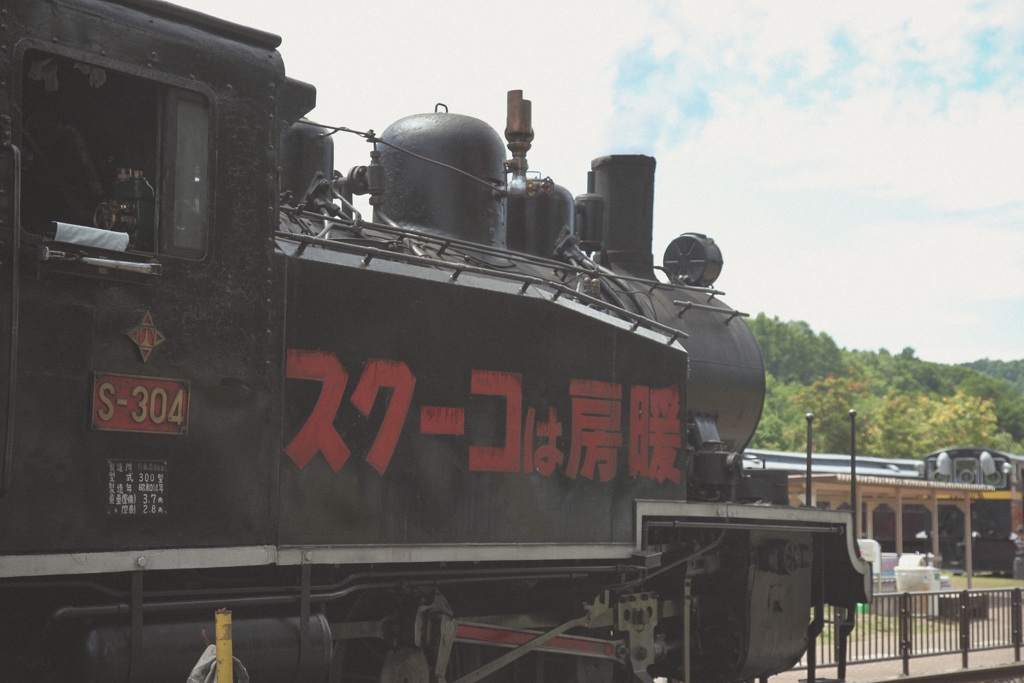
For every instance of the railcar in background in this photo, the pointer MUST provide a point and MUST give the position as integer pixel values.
(830, 463)
(996, 516)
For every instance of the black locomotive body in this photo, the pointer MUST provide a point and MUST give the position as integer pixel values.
(403, 447)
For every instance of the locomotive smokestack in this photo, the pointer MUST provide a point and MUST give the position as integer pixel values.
(626, 181)
(518, 130)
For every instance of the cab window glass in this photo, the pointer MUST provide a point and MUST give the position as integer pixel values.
(966, 470)
(997, 477)
(113, 160)
(187, 174)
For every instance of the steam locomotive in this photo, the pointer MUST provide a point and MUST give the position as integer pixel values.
(477, 435)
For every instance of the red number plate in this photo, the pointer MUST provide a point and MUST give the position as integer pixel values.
(123, 403)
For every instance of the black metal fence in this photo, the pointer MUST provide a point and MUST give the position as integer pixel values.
(907, 625)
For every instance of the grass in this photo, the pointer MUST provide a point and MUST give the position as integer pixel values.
(982, 582)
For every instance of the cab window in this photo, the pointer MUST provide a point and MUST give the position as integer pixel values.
(966, 470)
(997, 478)
(113, 160)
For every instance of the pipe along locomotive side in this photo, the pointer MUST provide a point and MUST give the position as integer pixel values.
(475, 437)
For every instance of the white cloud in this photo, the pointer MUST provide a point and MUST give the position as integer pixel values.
(859, 167)
(965, 159)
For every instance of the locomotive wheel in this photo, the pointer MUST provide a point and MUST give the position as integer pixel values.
(362, 660)
(537, 667)
(358, 661)
(597, 671)
(405, 665)
(721, 642)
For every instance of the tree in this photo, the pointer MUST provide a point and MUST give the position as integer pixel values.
(830, 400)
(1011, 371)
(906, 406)
(961, 420)
(1009, 403)
(775, 431)
(897, 428)
(792, 352)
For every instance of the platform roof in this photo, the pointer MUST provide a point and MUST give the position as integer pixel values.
(830, 486)
(835, 489)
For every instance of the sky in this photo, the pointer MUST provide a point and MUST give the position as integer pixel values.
(858, 163)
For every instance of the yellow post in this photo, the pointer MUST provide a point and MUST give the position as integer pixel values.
(225, 656)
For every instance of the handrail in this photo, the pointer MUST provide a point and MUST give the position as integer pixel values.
(48, 254)
(685, 306)
(371, 253)
(904, 626)
(444, 242)
(12, 361)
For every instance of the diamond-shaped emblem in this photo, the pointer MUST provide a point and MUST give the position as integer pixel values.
(146, 336)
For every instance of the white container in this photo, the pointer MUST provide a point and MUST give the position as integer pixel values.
(912, 578)
(913, 560)
(918, 579)
(871, 550)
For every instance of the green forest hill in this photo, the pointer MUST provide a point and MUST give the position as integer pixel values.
(906, 407)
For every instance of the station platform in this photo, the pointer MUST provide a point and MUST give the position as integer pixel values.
(871, 672)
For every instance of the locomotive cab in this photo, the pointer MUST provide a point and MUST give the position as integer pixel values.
(140, 312)
(106, 151)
